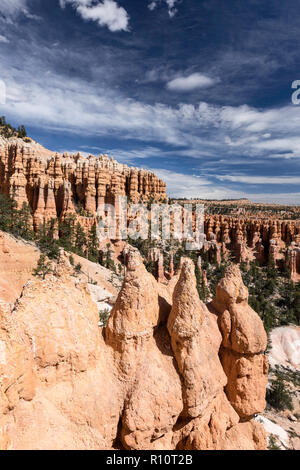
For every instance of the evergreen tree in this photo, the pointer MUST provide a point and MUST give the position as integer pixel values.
(46, 241)
(278, 395)
(43, 267)
(108, 261)
(78, 268)
(79, 240)
(22, 132)
(22, 223)
(8, 210)
(93, 245)
(66, 233)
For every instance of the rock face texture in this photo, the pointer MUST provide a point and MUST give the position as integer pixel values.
(244, 341)
(166, 372)
(265, 240)
(54, 185)
(17, 260)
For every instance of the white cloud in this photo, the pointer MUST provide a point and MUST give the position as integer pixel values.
(105, 13)
(10, 9)
(207, 133)
(170, 3)
(190, 83)
(4, 39)
(189, 186)
(259, 179)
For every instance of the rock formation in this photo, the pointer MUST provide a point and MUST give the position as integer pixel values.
(244, 341)
(166, 373)
(53, 184)
(269, 241)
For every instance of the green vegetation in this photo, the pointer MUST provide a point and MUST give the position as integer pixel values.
(78, 268)
(272, 445)
(43, 267)
(14, 221)
(7, 130)
(279, 395)
(71, 236)
(272, 295)
(104, 316)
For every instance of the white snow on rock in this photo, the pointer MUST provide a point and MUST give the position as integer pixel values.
(101, 297)
(275, 430)
(285, 349)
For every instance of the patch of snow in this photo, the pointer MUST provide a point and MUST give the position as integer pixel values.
(275, 429)
(285, 349)
(103, 299)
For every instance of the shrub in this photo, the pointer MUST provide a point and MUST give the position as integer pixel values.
(278, 395)
(78, 268)
(104, 316)
(272, 444)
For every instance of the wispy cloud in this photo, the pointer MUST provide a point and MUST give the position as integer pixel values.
(105, 13)
(123, 93)
(201, 130)
(181, 185)
(260, 179)
(10, 9)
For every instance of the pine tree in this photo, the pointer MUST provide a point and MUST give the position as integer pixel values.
(8, 210)
(278, 395)
(66, 232)
(46, 241)
(22, 132)
(43, 267)
(22, 223)
(93, 245)
(79, 239)
(78, 268)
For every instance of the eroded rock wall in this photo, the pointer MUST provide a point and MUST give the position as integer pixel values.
(53, 184)
(269, 241)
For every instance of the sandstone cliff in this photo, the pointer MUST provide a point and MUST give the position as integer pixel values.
(268, 241)
(166, 373)
(56, 185)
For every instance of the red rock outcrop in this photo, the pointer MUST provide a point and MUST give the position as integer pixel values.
(53, 184)
(192, 339)
(244, 341)
(155, 378)
(269, 241)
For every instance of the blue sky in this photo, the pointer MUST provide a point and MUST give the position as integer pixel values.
(197, 90)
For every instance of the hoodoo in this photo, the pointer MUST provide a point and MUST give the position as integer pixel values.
(164, 374)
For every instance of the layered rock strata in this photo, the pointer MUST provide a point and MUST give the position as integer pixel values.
(274, 242)
(54, 184)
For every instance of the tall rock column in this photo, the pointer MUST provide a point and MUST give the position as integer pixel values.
(244, 341)
(149, 382)
(18, 181)
(134, 315)
(200, 368)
